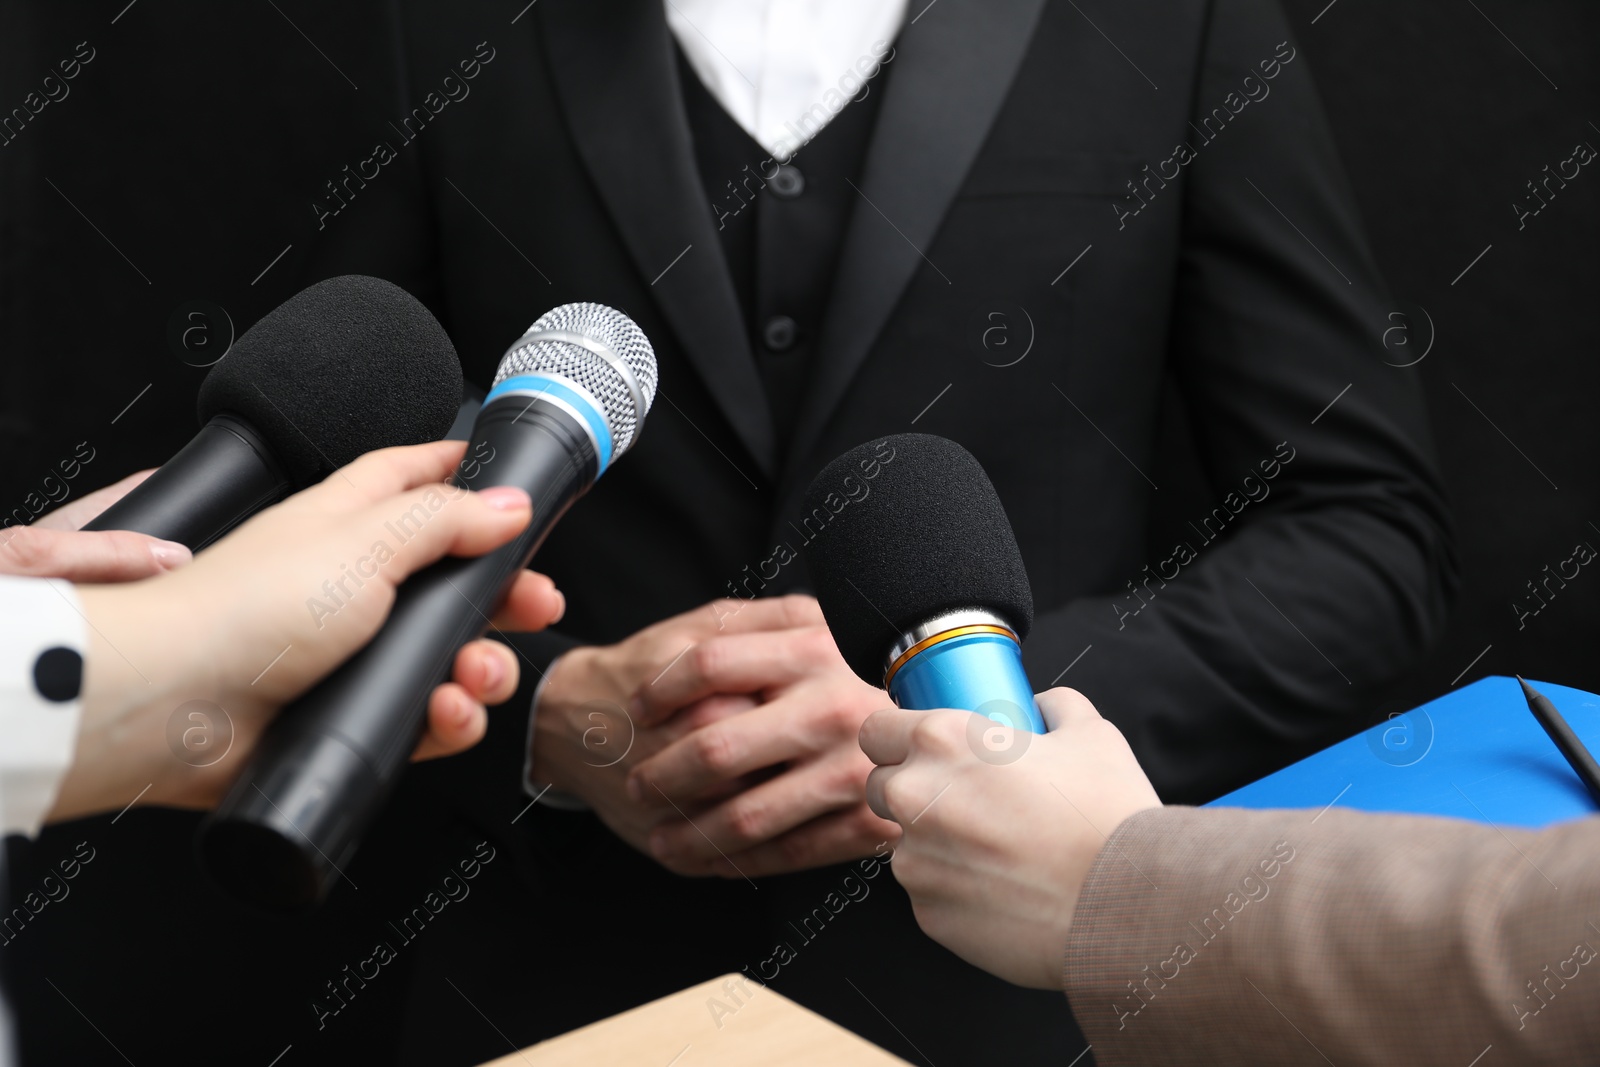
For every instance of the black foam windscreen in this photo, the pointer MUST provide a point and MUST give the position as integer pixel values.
(341, 368)
(900, 530)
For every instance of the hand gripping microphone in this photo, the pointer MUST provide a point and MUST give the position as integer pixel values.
(920, 579)
(349, 365)
(569, 397)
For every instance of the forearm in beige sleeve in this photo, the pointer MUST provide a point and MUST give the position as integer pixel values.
(1243, 937)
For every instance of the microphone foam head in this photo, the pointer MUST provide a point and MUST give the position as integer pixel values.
(904, 529)
(598, 348)
(341, 368)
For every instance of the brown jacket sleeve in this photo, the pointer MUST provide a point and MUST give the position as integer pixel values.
(1273, 937)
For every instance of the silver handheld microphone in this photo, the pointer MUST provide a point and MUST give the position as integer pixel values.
(569, 397)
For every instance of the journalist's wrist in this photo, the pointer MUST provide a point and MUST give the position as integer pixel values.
(143, 660)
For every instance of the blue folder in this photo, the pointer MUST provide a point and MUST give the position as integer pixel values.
(1476, 753)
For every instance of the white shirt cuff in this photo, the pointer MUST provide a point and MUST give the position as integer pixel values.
(38, 729)
(542, 792)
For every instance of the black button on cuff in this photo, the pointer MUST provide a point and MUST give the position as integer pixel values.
(787, 182)
(780, 333)
(58, 674)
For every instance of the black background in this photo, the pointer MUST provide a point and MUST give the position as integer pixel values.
(198, 136)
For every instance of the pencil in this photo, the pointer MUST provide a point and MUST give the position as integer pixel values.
(1583, 764)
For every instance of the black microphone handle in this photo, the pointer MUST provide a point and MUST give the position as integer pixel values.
(224, 475)
(324, 768)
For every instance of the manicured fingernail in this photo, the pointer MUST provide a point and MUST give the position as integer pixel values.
(170, 554)
(494, 672)
(505, 498)
(561, 607)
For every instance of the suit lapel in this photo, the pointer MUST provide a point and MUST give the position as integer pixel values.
(615, 77)
(953, 68)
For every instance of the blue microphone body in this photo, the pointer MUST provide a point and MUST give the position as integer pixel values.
(979, 672)
(919, 576)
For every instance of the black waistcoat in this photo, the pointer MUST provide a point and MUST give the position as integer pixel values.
(782, 226)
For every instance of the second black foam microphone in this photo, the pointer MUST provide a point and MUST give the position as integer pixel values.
(569, 397)
(349, 365)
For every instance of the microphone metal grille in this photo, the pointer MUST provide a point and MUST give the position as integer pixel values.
(623, 380)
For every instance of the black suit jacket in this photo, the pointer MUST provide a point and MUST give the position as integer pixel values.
(1014, 141)
(1230, 322)
(1022, 164)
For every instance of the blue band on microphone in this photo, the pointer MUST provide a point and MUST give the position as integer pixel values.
(978, 672)
(558, 389)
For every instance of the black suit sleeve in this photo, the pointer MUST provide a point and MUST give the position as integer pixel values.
(1340, 569)
(536, 652)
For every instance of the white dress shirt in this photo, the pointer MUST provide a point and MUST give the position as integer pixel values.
(37, 735)
(784, 68)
